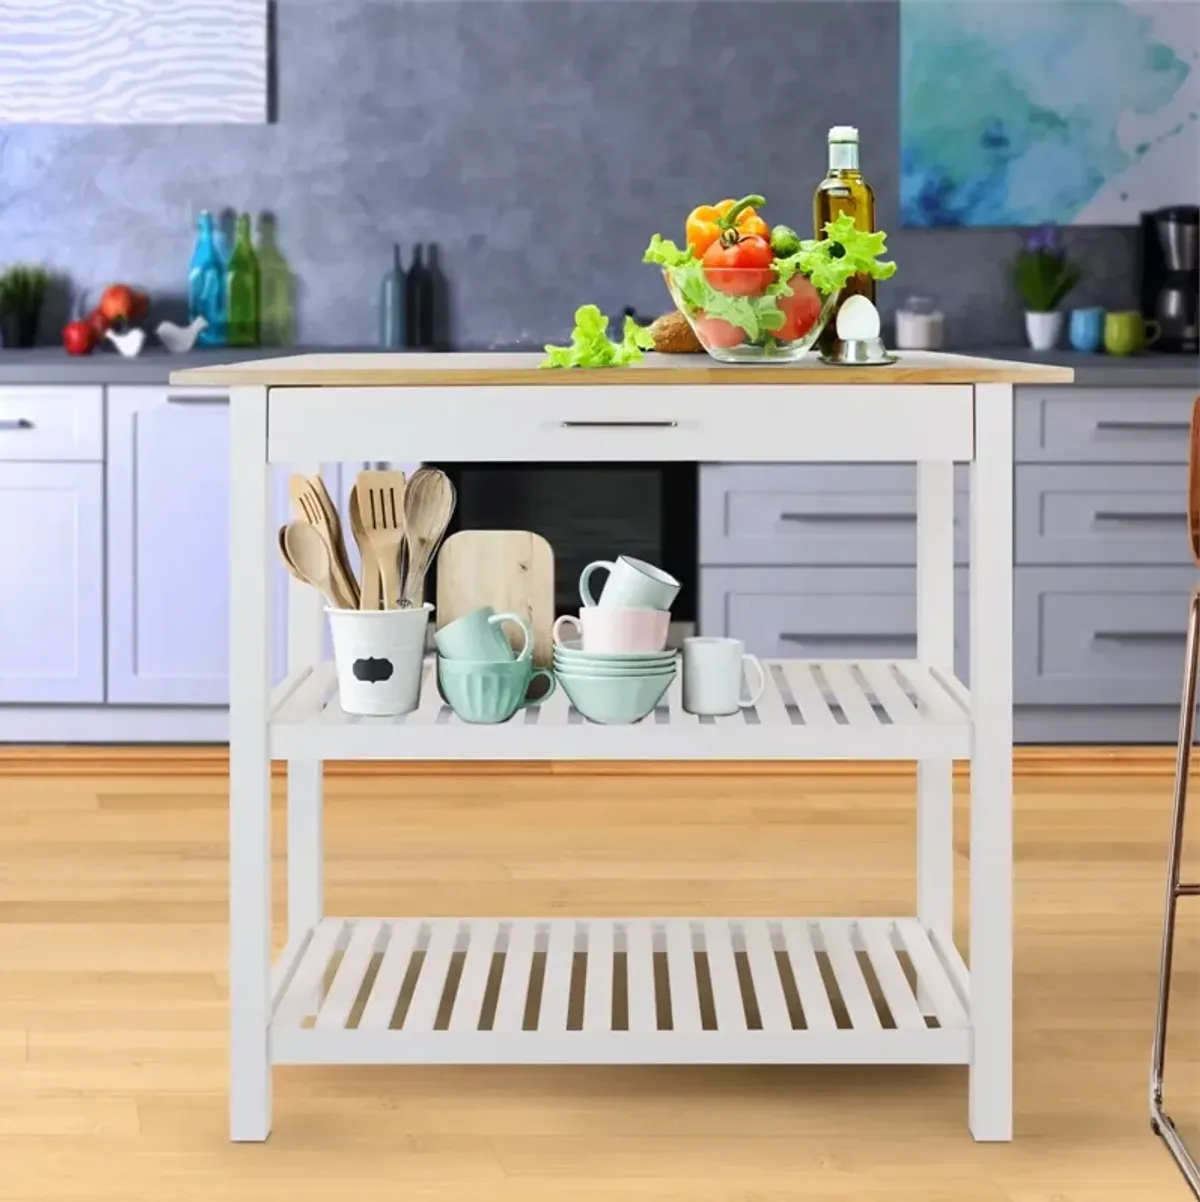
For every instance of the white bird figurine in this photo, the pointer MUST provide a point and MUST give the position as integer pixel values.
(180, 339)
(130, 343)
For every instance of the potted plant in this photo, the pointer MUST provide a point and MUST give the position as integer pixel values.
(22, 290)
(1044, 276)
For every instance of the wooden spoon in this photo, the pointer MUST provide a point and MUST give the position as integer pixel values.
(308, 557)
(429, 502)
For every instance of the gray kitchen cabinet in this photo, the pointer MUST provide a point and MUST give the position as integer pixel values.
(168, 548)
(52, 611)
(824, 613)
(1102, 514)
(1103, 425)
(1100, 636)
(785, 514)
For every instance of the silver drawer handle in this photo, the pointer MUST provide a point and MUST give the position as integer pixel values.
(1146, 427)
(179, 399)
(15, 423)
(1140, 636)
(862, 637)
(1103, 516)
(848, 517)
(618, 425)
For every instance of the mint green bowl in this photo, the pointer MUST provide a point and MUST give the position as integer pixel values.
(487, 693)
(615, 700)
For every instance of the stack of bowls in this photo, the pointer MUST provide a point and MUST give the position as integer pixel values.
(616, 668)
(482, 679)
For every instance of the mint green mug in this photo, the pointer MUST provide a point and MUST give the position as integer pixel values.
(477, 637)
(487, 693)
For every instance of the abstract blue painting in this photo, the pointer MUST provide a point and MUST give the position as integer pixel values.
(1079, 112)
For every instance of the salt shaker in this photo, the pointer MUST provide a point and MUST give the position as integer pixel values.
(919, 325)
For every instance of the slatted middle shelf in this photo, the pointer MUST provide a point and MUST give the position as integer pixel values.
(818, 710)
(613, 991)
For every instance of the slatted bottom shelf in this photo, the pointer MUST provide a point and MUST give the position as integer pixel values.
(823, 710)
(621, 991)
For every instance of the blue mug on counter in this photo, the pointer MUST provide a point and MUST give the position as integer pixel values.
(1087, 329)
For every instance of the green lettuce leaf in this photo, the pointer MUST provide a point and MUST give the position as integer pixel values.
(590, 345)
(832, 261)
(665, 253)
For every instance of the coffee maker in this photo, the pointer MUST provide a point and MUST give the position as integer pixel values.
(1170, 271)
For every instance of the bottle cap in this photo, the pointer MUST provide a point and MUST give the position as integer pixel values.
(843, 133)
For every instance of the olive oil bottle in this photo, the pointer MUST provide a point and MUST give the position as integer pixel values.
(843, 190)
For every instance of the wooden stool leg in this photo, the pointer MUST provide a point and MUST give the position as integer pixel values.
(1159, 1120)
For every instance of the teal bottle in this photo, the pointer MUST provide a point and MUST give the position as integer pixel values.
(206, 285)
(391, 306)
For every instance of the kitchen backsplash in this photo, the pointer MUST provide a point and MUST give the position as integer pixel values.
(539, 143)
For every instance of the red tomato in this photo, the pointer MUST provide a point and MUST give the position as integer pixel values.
(716, 331)
(78, 338)
(800, 310)
(741, 268)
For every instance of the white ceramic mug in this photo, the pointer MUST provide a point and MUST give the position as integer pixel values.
(631, 584)
(615, 631)
(712, 676)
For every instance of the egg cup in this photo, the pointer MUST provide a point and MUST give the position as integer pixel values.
(860, 352)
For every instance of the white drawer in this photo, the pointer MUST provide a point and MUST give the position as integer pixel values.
(51, 424)
(631, 424)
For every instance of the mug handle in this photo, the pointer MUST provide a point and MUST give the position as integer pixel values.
(569, 618)
(1153, 334)
(756, 693)
(496, 619)
(585, 593)
(530, 702)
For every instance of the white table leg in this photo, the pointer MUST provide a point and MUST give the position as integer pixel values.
(935, 645)
(991, 1102)
(249, 770)
(305, 850)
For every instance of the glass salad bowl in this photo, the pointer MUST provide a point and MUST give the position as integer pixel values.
(743, 315)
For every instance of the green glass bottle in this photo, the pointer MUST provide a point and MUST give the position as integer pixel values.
(243, 288)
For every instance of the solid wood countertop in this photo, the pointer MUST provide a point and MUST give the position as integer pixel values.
(426, 370)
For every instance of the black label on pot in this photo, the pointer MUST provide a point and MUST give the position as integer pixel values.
(372, 671)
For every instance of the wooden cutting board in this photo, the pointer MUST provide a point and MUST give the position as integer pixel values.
(510, 570)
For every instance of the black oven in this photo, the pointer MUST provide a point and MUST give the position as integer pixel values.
(589, 511)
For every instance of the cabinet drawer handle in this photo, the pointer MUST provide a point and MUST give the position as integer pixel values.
(1145, 427)
(1140, 636)
(15, 423)
(618, 425)
(832, 518)
(176, 398)
(874, 636)
(1106, 516)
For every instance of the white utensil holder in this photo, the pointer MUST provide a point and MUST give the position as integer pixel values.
(379, 656)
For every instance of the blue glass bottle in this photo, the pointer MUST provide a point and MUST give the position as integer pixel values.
(206, 285)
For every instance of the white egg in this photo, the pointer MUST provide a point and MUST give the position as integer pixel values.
(857, 320)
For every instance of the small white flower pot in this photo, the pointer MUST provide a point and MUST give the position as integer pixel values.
(1044, 330)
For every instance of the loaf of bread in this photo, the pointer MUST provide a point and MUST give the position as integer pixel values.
(673, 336)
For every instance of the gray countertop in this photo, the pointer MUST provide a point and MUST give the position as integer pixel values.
(50, 365)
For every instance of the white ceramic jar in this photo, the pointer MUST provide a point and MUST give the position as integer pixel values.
(920, 326)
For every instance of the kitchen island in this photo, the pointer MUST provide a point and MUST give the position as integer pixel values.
(932, 410)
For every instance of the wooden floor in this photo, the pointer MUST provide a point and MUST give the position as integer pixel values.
(112, 997)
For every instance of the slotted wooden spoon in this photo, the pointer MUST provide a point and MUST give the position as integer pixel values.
(381, 512)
